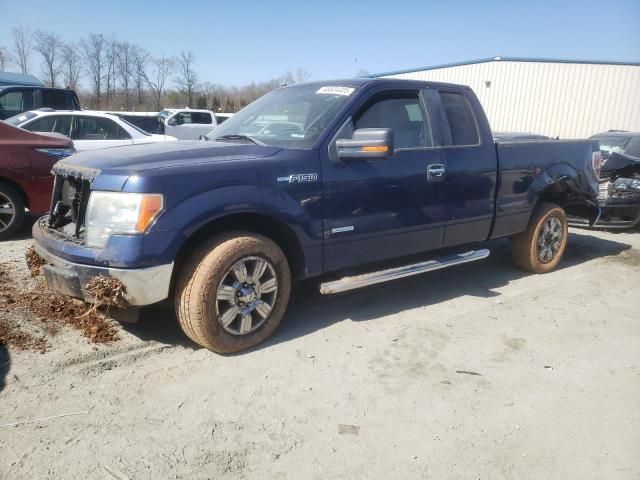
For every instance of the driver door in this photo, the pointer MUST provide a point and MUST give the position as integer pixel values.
(377, 210)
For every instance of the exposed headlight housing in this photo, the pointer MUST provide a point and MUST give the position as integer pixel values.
(119, 213)
(627, 184)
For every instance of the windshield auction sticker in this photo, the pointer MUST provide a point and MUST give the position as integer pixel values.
(346, 91)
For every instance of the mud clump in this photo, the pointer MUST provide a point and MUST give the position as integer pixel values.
(107, 291)
(34, 261)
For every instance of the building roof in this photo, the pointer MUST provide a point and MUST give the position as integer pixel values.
(10, 78)
(505, 59)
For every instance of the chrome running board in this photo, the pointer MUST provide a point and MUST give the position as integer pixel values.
(358, 281)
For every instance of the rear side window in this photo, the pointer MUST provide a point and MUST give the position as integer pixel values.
(97, 128)
(461, 120)
(201, 117)
(193, 118)
(56, 99)
(51, 123)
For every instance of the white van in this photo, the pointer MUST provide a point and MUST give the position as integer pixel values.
(187, 123)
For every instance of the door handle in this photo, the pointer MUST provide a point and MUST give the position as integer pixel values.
(435, 171)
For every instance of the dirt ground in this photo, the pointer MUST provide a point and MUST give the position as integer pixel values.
(476, 372)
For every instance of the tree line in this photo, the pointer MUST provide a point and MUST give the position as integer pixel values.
(112, 74)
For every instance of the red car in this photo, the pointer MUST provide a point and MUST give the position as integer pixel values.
(26, 159)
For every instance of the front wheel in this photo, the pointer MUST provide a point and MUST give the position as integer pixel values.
(233, 292)
(11, 211)
(540, 247)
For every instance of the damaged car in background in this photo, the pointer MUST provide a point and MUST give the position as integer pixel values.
(619, 195)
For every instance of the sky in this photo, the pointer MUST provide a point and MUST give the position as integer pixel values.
(242, 41)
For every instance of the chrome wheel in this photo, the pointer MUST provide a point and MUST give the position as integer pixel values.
(246, 295)
(550, 239)
(7, 212)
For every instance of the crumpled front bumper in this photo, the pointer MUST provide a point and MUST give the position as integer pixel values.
(144, 286)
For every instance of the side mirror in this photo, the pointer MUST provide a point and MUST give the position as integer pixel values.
(366, 144)
(174, 121)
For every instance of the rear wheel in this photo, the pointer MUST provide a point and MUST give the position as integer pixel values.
(233, 292)
(11, 211)
(540, 247)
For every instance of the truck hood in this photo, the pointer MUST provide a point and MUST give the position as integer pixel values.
(134, 159)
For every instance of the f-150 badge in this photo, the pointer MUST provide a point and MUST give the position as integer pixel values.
(299, 178)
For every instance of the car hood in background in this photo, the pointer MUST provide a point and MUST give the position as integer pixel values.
(619, 165)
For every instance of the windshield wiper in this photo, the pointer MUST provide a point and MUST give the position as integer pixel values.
(239, 137)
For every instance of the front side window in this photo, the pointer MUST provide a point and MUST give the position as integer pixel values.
(289, 117)
(182, 118)
(461, 120)
(51, 123)
(16, 101)
(97, 128)
(403, 115)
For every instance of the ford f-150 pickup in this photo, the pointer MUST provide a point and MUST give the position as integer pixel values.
(356, 182)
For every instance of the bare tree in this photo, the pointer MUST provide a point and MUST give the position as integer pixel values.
(126, 70)
(49, 46)
(111, 55)
(187, 78)
(140, 59)
(93, 49)
(161, 69)
(300, 75)
(22, 39)
(72, 65)
(4, 58)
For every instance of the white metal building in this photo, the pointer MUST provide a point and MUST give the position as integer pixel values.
(559, 98)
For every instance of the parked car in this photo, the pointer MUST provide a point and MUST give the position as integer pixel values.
(22, 98)
(382, 170)
(518, 136)
(616, 141)
(187, 123)
(88, 130)
(619, 196)
(25, 174)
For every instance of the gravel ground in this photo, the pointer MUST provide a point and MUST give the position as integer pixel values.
(476, 372)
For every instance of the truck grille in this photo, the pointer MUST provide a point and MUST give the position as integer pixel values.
(69, 205)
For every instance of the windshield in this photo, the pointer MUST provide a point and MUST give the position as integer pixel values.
(165, 113)
(611, 144)
(20, 118)
(291, 117)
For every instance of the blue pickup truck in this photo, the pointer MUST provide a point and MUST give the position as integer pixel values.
(356, 182)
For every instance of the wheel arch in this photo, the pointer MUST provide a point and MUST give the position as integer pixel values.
(267, 225)
(565, 193)
(17, 187)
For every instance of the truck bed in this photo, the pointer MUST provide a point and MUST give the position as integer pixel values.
(525, 168)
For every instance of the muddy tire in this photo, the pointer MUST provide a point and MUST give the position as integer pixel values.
(11, 211)
(233, 291)
(540, 247)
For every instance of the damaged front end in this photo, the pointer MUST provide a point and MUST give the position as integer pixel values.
(619, 194)
(75, 268)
